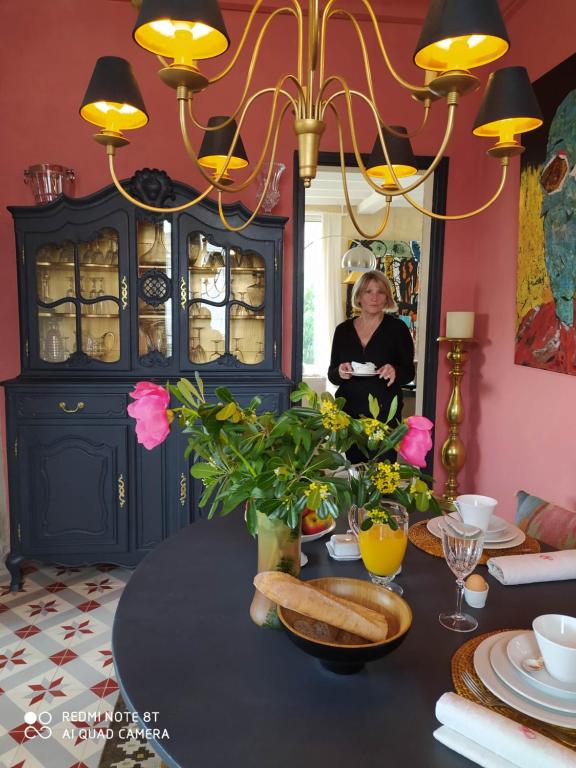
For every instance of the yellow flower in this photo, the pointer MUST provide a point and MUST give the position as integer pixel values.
(334, 419)
(377, 515)
(386, 477)
(320, 487)
(375, 429)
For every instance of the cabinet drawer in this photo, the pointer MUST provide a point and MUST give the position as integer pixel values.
(70, 405)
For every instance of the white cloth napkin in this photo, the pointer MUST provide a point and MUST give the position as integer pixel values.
(494, 741)
(524, 569)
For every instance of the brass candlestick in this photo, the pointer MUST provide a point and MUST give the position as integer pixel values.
(453, 450)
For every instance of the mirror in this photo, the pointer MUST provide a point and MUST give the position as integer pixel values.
(409, 251)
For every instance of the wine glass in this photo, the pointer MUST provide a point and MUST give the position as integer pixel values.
(462, 545)
(217, 351)
(197, 351)
(237, 352)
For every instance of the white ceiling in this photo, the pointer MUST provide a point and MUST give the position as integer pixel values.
(326, 190)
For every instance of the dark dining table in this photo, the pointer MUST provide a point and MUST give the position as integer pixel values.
(230, 693)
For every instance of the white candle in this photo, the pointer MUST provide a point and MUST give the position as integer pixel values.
(460, 325)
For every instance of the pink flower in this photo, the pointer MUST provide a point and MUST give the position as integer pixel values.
(150, 412)
(417, 441)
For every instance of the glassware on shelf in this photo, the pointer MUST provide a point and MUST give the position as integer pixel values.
(94, 309)
(237, 352)
(158, 253)
(111, 256)
(102, 306)
(256, 289)
(217, 351)
(54, 345)
(45, 288)
(260, 352)
(197, 351)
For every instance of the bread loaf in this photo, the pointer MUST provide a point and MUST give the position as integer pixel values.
(321, 605)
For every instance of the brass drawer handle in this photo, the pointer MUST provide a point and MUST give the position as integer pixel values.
(124, 292)
(183, 489)
(79, 407)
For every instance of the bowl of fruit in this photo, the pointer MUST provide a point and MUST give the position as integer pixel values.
(313, 527)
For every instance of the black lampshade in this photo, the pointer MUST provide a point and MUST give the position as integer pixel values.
(216, 144)
(509, 105)
(113, 99)
(461, 34)
(400, 153)
(183, 30)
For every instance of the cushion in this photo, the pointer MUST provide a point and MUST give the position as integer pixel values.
(546, 521)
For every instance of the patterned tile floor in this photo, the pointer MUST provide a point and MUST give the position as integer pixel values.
(56, 662)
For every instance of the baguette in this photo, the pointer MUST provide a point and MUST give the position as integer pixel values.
(323, 606)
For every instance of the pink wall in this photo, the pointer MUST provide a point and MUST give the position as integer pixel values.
(520, 422)
(48, 51)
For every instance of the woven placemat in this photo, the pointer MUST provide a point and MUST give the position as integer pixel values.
(464, 677)
(421, 537)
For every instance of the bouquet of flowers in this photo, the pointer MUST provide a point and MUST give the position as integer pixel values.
(281, 464)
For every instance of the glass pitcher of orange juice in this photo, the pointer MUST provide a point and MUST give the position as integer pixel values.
(382, 539)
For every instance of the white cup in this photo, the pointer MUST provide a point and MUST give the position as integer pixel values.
(556, 638)
(476, 598)
(475, 509)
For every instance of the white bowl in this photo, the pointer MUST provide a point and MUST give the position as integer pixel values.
(556, 638)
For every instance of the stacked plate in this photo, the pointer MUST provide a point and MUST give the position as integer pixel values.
(500, 534)
(498, 662)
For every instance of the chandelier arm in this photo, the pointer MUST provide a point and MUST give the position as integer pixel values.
(420, 90)
(347, 92)
(138, 203)
(382, 227)
(254, 213)
(456, 217)
(216, 179)
(295, 10)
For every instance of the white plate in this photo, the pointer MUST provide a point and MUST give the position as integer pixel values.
(508, 674)
(341, 558)
(497, 524)
(363, 374)
(499, 538)
(507, 695)
(319, 534)
(303, 559)
(519, 535)
(524, 646)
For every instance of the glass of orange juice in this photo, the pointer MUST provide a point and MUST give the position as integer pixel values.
(382, 538)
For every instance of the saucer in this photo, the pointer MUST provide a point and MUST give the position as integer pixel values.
(519, 536)
(303, 559)
(364, 374)
(524, 646)
(341, 558)
(491, 680)
(521, 683)
(319, 534)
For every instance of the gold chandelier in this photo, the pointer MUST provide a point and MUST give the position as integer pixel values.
(457, 36)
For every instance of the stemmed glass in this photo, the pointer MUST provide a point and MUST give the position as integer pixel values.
(260, 351)
(462, 545)
(237, 352)
(217, 352)
(197, 351)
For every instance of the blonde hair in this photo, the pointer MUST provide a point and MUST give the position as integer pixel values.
(361, 285)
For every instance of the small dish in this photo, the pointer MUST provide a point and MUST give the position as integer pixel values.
(524, 646)
(491, 680)
(364, 374)
(521, 683)
(340, 558)
(323, 532)
(303, 559)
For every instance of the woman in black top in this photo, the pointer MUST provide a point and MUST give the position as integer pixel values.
(374, 336)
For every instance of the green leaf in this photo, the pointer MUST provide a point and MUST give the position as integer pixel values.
(227, 411)
(373, 406)
(366, 524)
(224, 394)
(201, 470)
(393, 409)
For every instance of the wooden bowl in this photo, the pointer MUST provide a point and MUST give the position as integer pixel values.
(340, 651)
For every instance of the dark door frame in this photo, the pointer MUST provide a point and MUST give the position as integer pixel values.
(435, 269)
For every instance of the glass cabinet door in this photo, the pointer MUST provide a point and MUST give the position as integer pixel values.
(225, 299)
(78, 299)
(154, 253)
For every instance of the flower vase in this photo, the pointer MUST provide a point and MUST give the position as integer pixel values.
(278, 550)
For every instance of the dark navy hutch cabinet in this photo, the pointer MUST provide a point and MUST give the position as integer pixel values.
(110, 295)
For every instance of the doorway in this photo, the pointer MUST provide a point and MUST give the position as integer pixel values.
(409, 251)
